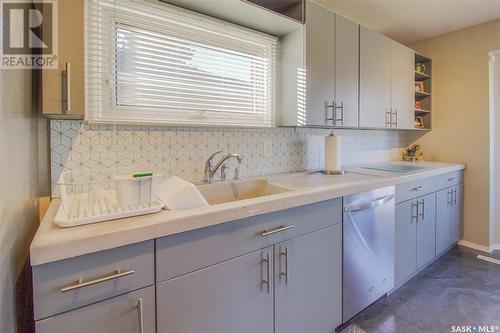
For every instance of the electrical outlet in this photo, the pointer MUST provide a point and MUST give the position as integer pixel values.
(267, 149)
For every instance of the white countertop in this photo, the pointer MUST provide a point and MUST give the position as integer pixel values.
(52, 243)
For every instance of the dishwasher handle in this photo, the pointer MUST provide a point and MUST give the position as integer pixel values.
(369, 205)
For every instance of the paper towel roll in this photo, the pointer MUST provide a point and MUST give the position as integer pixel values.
(333, 161)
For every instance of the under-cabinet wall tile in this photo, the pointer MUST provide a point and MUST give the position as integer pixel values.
(182, 151)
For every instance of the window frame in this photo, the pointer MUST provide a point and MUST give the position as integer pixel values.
(109, 109)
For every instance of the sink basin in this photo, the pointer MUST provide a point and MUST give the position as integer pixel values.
(239, 190)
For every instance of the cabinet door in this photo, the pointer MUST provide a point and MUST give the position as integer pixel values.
(375, 79)
(308, 282)
(406, 240)
(122, 314)
(426, 229)
(443, 219)
(456, 215)
(347, 71)
(402, 86)
(227, 297)
(57, 100)
(320, 76)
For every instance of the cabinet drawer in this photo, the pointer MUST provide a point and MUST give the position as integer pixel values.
(71, 283)
(123, 314)
(428, 185)
(187, 252)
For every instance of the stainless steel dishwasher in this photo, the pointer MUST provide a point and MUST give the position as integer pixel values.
(368, 249)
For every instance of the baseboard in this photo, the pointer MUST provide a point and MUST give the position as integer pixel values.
(475, 246)
(494, 247)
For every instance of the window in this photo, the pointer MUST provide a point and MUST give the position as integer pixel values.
(152, 62)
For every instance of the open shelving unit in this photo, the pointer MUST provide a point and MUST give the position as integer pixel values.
(423, 97)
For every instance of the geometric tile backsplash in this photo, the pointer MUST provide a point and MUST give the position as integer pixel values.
(182, 151)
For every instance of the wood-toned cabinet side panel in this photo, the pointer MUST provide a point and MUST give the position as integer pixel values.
(70, 36)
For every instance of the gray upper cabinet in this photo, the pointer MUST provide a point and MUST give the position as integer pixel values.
(330, 80)
(129, 313)
(375, 79)
(402, 86)
(308, 282)
(320, 74)
(233, 296)
(386, 82)
(346, 73)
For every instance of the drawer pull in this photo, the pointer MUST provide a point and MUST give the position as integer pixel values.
(267, 281)
(418, 188)
(451, 179)
(141, 315)
(287, 264)
(279, 229)
(82, 284)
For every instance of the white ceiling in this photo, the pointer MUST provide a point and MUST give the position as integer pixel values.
(408, 21)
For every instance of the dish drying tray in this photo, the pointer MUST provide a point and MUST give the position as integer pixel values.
(89, 198)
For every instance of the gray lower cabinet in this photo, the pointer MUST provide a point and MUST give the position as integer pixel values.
(456, 214)
(426, 229)
(448, 217)
(308, 282)
(415, 235)
(406, 241)
(133, 312)
(232, 296)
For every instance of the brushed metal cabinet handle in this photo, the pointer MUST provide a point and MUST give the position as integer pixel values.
(274, 231)
(68, 87)
(141, 315)
(451, 179)
(287, 263)
(418, 188)
(414, 217)
(82, 284)
(449, 198)
(388, 122)
(422, 213)
(267, 281)
(455, 197)
(328, 106)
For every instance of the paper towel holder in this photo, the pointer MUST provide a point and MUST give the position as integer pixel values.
(333, 172)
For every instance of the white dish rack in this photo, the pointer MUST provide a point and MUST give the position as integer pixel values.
(90, 197)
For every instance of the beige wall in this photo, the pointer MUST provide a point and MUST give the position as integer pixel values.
(460, 118)
(495, 117)
(23, 177)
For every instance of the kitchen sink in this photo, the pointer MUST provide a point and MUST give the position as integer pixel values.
(239, 190)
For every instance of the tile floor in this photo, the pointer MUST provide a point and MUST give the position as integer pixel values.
(457, 289)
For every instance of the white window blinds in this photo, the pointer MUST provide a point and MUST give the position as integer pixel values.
(152, 62)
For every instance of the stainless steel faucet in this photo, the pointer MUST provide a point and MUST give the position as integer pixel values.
(210, 169)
